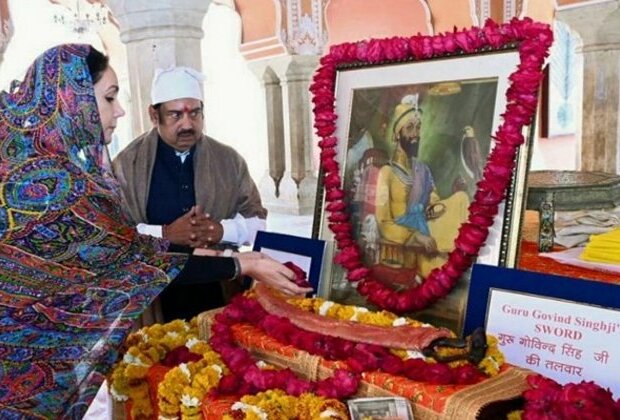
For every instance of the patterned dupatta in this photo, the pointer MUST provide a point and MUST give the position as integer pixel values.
(73, 273)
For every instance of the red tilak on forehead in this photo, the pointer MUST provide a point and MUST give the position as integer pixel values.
(186, 109)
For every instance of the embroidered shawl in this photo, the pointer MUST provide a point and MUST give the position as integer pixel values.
(74, 274)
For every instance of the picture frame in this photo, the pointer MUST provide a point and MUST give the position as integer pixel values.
(387, 408)
(560, 327)
(485, 278)
(459, 100)
(306, 253)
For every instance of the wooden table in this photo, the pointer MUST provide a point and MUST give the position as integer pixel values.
(549, 191)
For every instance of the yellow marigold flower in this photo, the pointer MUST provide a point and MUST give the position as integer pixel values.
(141, 406)
(178, 325)
(206, 379)
(340, 312)
(167, 409)
(155, 330)
(119, 382)
(152, 354)
(198, 346)
(134, 372)
(190, 403)
(211, 358)
(494, 358)
(192, 416)
(515, 415)
(276, 405)
(304, 304)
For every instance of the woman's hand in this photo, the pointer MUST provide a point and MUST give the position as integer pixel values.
(250, 255)
(264, 268)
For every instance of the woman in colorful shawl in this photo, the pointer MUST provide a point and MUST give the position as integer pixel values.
(73, 274)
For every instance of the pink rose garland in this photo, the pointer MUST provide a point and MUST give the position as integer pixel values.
(247, 378)
(549, 400)
(533, 40)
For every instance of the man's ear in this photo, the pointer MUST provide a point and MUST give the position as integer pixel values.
(154, 115)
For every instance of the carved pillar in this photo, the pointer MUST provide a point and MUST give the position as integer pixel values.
(283, 52)
(599, 132)
(511, 8)
(290, 186)
(275, 129)
(483, 11)
(158, 33)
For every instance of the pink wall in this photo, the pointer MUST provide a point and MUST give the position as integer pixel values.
(447, 14)
(353, 20)
(258, 19)
(541, 10)
(497, 10)
(4, 13)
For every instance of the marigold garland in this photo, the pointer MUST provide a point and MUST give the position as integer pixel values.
(146, 347)
(197, 369)
(534, 40)
(277, 405)
(184, 386)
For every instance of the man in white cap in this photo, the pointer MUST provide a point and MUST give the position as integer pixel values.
(181, 185)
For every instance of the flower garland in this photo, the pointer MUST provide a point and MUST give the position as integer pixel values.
(146, 347)
(359, 357)
(277, 405)
(247, 378)
(184, 386)
(534, 40)
(196, 368)
(549, 400)
(490, 365)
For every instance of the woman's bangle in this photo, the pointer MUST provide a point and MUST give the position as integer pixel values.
(237, 268)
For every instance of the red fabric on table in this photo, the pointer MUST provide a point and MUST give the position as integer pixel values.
(215, 408)
(128, 406)
(154, 376)
(531, 261)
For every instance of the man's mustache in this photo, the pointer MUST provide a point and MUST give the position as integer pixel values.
(184, 132)
(412, 139)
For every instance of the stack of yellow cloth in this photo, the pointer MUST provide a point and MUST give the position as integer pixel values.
(603, 248)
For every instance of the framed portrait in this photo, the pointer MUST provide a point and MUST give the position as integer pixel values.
(414, 141)
(306, 253)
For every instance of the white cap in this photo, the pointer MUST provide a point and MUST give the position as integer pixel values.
(176, 83)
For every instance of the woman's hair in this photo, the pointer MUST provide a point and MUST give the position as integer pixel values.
(97, 63)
